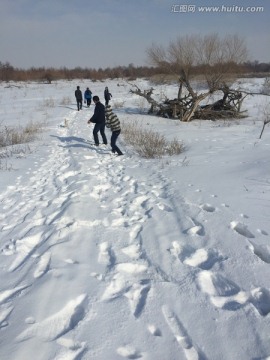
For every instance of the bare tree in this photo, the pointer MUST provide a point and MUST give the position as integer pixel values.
(6, 71)
(216, 59)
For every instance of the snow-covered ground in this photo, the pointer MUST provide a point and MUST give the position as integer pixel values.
(113, 258)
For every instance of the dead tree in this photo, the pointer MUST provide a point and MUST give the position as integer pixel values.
(217, 60)
(188, 107)
(147, 94)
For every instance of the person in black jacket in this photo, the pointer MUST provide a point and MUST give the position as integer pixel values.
(79, 98)
(107, 96)
(99, 120)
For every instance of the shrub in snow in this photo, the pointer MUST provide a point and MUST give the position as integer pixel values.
(150, 144)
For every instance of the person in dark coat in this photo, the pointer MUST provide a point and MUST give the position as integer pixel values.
(79, 98)
(99, 120)
(88, 97)
(113, 123)
(107, 96)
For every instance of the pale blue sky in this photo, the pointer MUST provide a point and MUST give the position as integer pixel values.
(108, 33)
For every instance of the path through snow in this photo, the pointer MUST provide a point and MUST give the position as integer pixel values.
(100, 262)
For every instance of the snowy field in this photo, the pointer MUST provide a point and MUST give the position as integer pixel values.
(110, 258)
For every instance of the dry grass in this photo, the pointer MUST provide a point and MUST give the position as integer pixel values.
(14, 135)
(13, 142)
(150, 144)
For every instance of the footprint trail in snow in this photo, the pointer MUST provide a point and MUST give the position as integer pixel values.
(93, 241)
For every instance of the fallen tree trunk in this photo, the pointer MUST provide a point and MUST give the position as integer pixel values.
(188, 107)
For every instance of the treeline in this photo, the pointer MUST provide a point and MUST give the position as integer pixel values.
(10, 73)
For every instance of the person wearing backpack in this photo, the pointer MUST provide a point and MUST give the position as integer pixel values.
(88, 97)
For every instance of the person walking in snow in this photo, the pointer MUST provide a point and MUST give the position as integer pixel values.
(79, 98)
(99, 120)
(88, 97)
(113, 123)
(107, 96)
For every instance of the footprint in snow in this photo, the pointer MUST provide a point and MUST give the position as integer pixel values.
(72, 349)
(99, 191)
(196, 228)
(202, 258)
(135, 231)
(57, 324)
(30, 320)
(106, 255)
(225, 205)
(262, 251)
(6, 295)
(164, 207)
(128, 352)
(154, 330)
(97, 276)
(25, 248)
(208, 208)
(122, 284)
(216, 285)
(139, 202)
(120, 222)
(5, 311)
(263, 232)
(116, 288)
(260, 298)
(43, 265)
(137, 296)
(224, 293)
(180, 251)
(71, 261)
(10, 248)
(133, 251)
(132, 268)
(241, 229)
